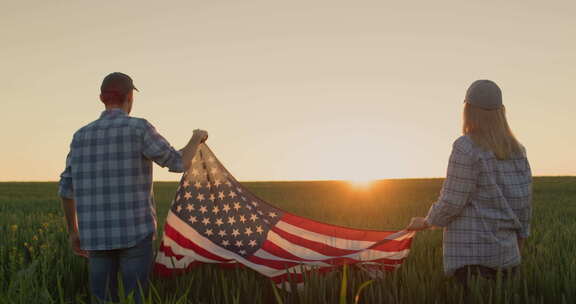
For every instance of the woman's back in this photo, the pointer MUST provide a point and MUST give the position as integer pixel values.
(504, 190)
(485, 202)
(485, 207)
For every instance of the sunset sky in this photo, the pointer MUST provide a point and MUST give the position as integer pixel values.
(289, 90)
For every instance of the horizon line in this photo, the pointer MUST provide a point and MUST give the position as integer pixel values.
(286, 180)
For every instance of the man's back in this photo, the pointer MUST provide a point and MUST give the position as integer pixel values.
(109, 174)
(106, 191)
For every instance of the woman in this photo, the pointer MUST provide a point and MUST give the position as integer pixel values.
(485, 202)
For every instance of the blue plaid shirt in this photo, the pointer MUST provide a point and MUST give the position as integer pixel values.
(109, 175)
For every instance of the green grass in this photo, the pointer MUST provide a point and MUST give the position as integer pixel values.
(37, 266)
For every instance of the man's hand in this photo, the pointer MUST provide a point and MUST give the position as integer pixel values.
(69, 206)
(199, 136)
(417, 224)
(75, 244)
(189, 151)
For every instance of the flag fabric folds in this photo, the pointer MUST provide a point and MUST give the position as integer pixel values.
(214, 219)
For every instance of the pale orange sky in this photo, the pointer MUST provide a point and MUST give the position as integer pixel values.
(289, 90)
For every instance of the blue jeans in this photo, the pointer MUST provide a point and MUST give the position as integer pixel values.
(134, 265)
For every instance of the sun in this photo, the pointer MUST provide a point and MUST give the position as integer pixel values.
(361, 183)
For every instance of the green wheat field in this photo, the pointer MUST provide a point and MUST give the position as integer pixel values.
(37, 266)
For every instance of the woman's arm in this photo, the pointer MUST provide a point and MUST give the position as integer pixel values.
(418, 223)
(459, 184)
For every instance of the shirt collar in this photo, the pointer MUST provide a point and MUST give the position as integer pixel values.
(113, 113)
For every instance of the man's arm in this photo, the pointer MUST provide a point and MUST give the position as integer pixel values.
(69, 207)
(189, 151)
(66, 192)
(157, 149)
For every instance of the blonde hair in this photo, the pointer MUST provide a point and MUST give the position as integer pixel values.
(490, 130)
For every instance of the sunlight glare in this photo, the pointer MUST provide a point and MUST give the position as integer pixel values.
(361, 183)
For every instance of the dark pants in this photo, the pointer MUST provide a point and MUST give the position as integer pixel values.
(134, 265)
(470, 272)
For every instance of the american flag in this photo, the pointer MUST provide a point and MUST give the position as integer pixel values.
(214, 219)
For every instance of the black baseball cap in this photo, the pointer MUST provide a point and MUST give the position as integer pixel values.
(484, 94)
(117, 82)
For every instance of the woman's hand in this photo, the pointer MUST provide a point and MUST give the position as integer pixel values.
(417, 224)
(520, 244)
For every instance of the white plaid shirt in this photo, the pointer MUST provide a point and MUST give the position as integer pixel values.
(484, 205)
(109, 175)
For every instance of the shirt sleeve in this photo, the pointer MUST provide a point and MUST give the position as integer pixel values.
(459, 184)
(65, 188)
(525, 215)
(157, 149)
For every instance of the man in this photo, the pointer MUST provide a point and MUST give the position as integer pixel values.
(106, 190)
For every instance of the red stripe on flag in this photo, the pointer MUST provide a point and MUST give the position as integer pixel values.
(168, 252)
(335, 231)
(313, 245)
(186, 243)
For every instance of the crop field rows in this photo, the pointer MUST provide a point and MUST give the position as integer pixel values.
(37, 265)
